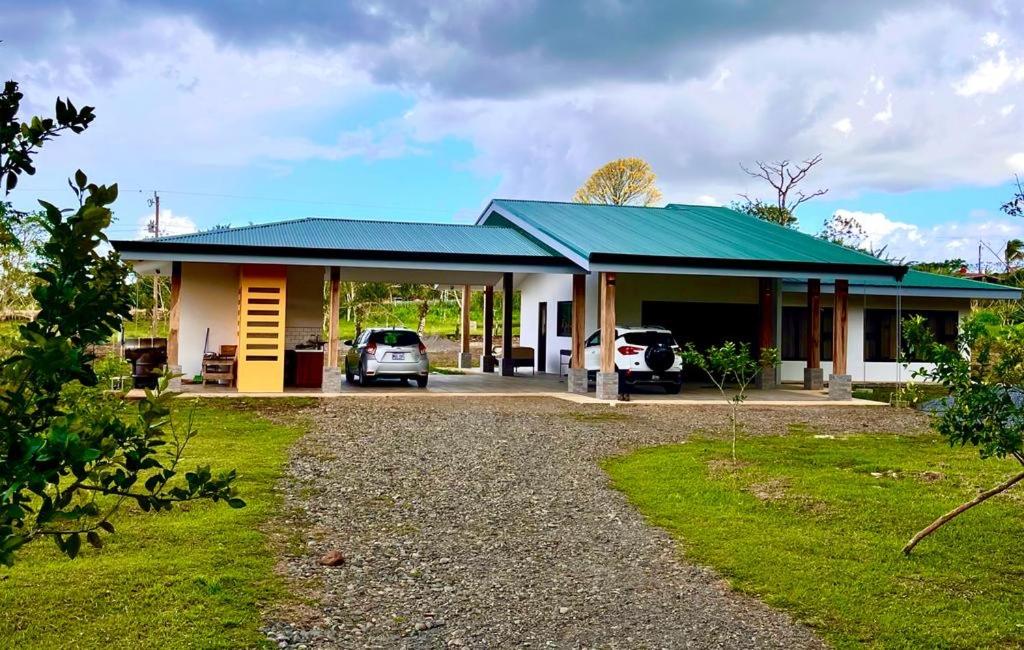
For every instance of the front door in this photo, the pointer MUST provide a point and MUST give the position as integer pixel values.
(542, 337)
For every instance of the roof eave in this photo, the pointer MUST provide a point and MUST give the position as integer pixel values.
(774, 268)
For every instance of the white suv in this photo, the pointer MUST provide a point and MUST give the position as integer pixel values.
(643, 355)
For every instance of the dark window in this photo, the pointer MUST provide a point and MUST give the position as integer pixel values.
(395, 337)
(795, 323)
(563, 326)
(595, 339)
(648, 339)
(881, 335)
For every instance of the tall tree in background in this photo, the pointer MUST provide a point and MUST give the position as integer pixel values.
(626, 181)
(784, 177)
(1015, 206)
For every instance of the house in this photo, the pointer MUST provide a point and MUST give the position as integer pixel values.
(707, 273)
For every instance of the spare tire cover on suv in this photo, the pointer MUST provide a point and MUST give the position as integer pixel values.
(659, 357)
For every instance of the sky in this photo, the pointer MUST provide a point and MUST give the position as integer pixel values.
(425, 110)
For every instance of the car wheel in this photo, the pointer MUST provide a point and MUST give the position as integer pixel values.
(673, 389)
(349, 377)
(421, 382)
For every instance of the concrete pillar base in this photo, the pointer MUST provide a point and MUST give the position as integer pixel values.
(608, 385)
(331, 381)
(840, 387)
(577, 380)
(487, 363)
(766, 379)
(175, 382)
(465, 360)
(508, 368)
(814, 379)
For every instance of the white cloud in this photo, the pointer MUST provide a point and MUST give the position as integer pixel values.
(946, 240)
(990, 76)
(844, 125)
(170, 224)
(706, 199)
(1006, 110)
(992, 39)
(885, 115)
(723, 75)
(1016, 162)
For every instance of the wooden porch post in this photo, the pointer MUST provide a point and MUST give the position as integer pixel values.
(607, 378)
(840, 327)
(174, 316)
(507, 367)
(607, 322)
(813, 379)
(465, 358)
(333, 316)
(576, 380)
(487, 358)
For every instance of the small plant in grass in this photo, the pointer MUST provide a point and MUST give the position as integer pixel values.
(731, 365)
(983, 371)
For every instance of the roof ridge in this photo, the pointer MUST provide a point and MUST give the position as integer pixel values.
(593, 205)
(283, 222)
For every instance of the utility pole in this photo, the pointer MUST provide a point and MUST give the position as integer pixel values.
(155, 203)
(980, 243)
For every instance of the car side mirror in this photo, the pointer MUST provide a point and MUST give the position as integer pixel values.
(348, 342)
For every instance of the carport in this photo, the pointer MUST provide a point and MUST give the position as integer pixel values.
(262, 288)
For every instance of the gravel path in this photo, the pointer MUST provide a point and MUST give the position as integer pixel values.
(488, 523)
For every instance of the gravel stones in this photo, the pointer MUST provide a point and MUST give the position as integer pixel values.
(482, 522)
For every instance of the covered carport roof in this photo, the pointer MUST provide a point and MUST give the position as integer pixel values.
(368, 250)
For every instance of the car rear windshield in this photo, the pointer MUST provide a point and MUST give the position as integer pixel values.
(398, 338)
(648, 339)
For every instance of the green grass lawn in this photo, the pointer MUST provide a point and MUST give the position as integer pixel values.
(803, 525)
(185, 579)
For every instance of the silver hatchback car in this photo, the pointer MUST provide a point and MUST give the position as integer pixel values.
(386, 354)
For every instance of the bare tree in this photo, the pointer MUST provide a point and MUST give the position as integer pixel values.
(784, 176)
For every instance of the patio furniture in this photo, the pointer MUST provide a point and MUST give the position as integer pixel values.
(564, 360)
(220, 367)
(145, 363)
(521, 357)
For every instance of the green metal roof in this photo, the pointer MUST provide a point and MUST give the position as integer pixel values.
(923, 280)
(677, 231)
(358, 236)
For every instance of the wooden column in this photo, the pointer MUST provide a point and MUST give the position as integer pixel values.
(766, 314)
(507, 369)
(333, 316)
(467, 295)
(175, 316)
(579, 318)
(487, 359)
(607, 282)
(840, 327)
(814, 323)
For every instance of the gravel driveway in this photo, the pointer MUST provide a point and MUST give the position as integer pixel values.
(488, 523)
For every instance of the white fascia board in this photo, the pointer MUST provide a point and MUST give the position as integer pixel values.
(579, 260)
(496, 267)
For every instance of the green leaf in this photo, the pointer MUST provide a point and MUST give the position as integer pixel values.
(235, 502)
(94, 539)
(107, 526)
(73, 544)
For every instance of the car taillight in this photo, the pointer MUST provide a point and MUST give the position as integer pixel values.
(371, 349)
(629, 350)
(423, 348)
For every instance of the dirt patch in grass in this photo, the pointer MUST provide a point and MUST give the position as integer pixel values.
(776, 489)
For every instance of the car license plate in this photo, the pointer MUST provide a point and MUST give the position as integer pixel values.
(398, 356)
(655, 377)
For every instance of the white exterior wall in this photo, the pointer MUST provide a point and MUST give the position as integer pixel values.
(633, 289)
(304, 305)
(535, 289)
(209, 299)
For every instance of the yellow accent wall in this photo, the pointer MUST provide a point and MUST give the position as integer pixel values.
(261, 319)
